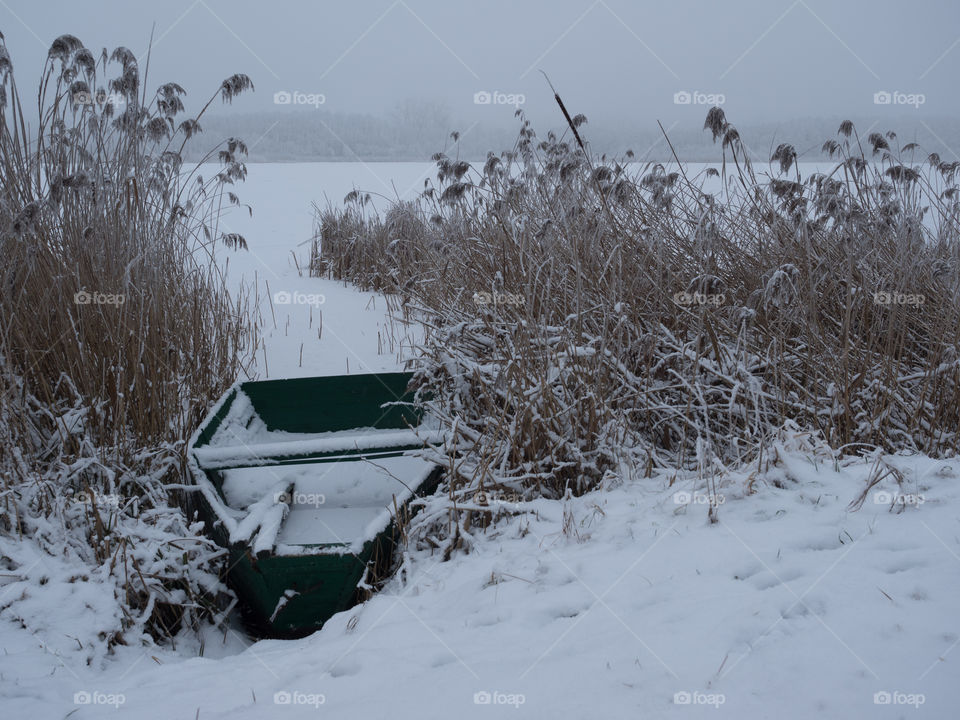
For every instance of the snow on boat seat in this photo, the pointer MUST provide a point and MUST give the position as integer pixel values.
(243, 439)
(365, 441)
(337, 503)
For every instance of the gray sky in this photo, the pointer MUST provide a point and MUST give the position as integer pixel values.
(611, 59)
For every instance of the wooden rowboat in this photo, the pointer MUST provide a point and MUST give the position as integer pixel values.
(302, 481)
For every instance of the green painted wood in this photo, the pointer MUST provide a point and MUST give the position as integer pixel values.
(211, 425)
(322, 404)
(324, 585)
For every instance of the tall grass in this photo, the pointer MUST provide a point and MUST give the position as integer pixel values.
(592, 318)
(116, 328)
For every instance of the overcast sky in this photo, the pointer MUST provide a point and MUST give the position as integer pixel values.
(612, 59)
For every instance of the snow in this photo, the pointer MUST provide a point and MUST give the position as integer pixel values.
(242, 438)
(791, 605)
(366, 439)
(326, 328)
(261, 513)
(345, 502)
(623, 603)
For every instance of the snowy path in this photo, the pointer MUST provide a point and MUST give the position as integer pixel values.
(314, 326)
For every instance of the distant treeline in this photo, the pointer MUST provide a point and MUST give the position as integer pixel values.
(414, 132)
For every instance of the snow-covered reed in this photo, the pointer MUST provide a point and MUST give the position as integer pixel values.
(587, 320)
(115, 330)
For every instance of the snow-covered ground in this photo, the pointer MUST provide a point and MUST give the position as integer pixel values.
(620, 604)
(625, 603)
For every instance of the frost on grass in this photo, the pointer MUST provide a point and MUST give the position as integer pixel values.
(117, 331)
(636, 319)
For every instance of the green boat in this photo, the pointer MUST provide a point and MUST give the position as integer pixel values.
(303, 482)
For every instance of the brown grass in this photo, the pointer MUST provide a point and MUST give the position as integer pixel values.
(589, 317)
(116, 328)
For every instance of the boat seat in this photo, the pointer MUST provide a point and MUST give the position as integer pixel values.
(332, 447)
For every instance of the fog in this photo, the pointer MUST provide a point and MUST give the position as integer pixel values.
(468, 66)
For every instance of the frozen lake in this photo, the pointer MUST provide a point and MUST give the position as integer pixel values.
(312, 326)
(297, 185)
(283, 195)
